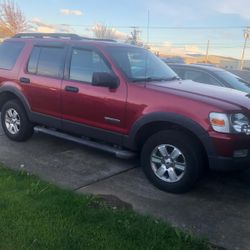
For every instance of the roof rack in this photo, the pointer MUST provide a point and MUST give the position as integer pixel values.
(48, 35)
(99, 39)
(58, 36)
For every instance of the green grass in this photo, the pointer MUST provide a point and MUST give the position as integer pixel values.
(38, 215)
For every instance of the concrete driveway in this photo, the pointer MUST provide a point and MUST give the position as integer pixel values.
(218, 209)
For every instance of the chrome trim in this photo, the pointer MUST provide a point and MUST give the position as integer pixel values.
(112, 120)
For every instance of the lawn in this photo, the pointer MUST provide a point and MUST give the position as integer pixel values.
(37, 215)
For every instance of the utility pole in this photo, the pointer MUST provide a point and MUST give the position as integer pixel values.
(246, 36)
(208, 45)
(135, 35)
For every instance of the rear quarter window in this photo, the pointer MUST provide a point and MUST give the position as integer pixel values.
(9, 53)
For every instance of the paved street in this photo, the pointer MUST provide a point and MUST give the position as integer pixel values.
(217, 209)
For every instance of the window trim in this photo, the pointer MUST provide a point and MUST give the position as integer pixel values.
(46, 45)
(69, 60)
(14, 65)
(27, 67)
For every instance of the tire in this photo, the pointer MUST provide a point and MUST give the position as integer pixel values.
(172, 161)
(15, 122)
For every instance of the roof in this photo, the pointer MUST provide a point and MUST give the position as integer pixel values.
(196, 66)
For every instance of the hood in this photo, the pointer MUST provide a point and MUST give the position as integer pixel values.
(191, 89)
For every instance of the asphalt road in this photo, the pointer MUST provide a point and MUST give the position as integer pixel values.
(218, 209)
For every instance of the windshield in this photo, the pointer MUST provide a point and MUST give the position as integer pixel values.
(235, 81)
(139, 64)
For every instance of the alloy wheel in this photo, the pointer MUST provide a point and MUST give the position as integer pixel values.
(168, 163)
(12, 121)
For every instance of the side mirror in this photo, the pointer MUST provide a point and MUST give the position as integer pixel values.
(104, 79)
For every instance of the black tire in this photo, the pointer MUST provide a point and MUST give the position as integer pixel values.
(193, 158)
(25, 128)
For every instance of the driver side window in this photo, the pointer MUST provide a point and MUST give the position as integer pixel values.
(84, 63)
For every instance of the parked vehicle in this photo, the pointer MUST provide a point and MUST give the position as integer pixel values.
(210, 75)
(175, 59)
(73, 88)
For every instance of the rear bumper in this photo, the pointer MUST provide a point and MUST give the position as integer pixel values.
(229, 163)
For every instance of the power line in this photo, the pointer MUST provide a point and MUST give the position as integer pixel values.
(198, 45)
(196, 42)
(136, 31)
(162, 27)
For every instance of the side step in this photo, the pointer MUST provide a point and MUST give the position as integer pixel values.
(119, 153)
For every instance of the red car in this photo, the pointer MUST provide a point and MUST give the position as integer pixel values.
(74, 87)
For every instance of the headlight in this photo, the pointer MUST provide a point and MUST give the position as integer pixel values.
(240, 123)
(226, 123)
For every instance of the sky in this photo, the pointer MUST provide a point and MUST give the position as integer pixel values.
(175, 26)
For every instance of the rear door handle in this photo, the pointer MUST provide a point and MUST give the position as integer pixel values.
(71, 89)
(24, 80)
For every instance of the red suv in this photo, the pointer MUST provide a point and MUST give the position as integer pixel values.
(122, 99)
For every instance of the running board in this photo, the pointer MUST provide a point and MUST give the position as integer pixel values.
(119, 153)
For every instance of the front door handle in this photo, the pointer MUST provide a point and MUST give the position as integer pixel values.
(71, 89)
(24, 80)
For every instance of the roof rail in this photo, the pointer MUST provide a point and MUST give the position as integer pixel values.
(99, 39)
(59, 36)
(48, 35)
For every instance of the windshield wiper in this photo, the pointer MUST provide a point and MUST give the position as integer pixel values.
(148, 79)
(139, 79)
(155, 79)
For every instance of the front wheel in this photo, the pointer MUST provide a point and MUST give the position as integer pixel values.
(15, 122)
(172, 161)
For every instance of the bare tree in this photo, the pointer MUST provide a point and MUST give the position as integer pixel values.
(103, 32)
(12, 19)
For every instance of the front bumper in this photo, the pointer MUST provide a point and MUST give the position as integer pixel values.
(221, 163)
(225, 146)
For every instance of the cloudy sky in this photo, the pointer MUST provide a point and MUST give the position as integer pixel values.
(179, 26)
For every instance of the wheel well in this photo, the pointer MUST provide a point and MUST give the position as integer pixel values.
(6, 96)
(151, 128)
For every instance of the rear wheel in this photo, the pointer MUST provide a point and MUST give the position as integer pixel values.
(172, 161)
(15, 122)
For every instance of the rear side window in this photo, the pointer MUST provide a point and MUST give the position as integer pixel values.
(9, 52)
(46, 61)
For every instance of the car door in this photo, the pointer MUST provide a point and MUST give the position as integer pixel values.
(41, 80)
(91, 110)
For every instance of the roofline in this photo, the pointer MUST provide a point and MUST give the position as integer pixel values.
(66, 36)
(207, 67)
